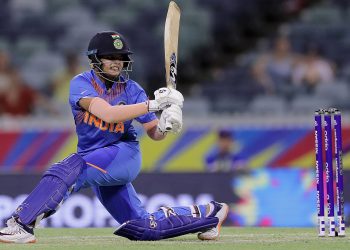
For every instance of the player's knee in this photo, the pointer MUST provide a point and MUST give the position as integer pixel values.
(122, 176)
(68, 169)
(131, 176)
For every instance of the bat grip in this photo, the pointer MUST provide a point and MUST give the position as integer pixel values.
(168, 126)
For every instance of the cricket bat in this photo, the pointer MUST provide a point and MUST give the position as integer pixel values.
(171, 38)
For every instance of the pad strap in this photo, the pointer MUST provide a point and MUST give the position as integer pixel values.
(168, 211)
(195, 211)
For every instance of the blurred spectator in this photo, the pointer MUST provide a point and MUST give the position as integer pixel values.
(5, 71)
(61, 82)
(342, 4)
(273, 70)
(18, 99)
(222, 157)
(312, 70)
(15, 97)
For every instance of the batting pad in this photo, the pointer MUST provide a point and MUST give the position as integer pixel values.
(150, 229)
(50, 191)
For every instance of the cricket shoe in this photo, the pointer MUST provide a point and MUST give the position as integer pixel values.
(220, 211)
(16, 232)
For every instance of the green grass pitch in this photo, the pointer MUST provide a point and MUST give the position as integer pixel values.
(233, 238)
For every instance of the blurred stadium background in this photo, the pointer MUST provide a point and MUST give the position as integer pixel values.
(233, 79)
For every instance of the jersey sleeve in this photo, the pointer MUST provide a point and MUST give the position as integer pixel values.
(80, 87)
(142, 97)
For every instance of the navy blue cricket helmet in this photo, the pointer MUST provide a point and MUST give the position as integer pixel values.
(108, 43)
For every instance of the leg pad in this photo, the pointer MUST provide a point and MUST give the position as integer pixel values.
(172, 226)
(51, 190)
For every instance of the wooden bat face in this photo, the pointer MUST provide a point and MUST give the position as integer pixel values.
(171, 37)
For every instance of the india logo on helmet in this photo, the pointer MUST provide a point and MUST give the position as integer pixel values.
(118, 44)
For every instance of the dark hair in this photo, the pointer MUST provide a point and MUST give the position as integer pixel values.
(224, 133)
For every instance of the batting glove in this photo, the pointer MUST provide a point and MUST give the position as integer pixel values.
(173, 116)
(164, 97)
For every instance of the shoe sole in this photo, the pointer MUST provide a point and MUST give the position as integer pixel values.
(12, 242)
(226, 209)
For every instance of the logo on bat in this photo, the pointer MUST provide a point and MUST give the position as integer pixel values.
(173, 68)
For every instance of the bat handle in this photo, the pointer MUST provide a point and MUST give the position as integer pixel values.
(168, 126)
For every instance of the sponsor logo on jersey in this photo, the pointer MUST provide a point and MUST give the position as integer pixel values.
(92, 120)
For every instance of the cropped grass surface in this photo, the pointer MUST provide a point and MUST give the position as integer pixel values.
(231, 238)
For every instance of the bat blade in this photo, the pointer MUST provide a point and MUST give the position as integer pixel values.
(171, 37)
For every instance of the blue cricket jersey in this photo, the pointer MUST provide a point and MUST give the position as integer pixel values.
(92, 132)
(216, 161)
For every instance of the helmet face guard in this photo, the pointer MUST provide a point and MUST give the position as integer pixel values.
(106, 44)
(96, 65)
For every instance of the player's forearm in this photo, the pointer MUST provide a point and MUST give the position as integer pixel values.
(118, 113)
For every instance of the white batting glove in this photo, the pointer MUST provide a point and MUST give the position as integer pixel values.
(173, 116)
(165, 97)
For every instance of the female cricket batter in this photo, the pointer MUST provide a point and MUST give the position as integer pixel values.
(104, 102)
